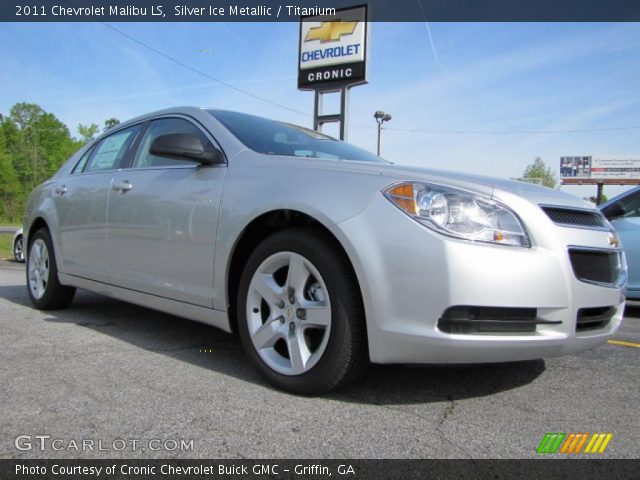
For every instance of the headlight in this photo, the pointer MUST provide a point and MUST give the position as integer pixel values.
(458, 213)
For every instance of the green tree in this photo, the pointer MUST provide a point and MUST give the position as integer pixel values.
(594, 198)
(37, 141)
(539, 171)
(33, 146)
(25, 115)
(10, 138)
(87, 132)
(10, 188)
(110, 123)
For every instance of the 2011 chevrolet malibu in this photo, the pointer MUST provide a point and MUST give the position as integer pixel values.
(321, 256)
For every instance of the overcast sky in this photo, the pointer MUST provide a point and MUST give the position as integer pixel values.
(506, 79)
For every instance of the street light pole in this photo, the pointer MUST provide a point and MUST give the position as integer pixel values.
(380, 117)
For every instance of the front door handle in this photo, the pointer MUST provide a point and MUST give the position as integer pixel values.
(122, 187)
(61, 190)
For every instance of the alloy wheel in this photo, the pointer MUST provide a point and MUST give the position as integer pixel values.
(288, 313)
(38, 268)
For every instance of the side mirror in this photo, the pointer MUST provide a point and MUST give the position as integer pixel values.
(185, 146)
(615, 210)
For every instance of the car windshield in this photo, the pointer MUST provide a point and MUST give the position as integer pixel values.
(279, 138)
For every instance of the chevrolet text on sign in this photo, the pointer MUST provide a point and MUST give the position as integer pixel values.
(333, 48)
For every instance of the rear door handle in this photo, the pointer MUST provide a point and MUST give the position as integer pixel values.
(122, 187)
(61, 190)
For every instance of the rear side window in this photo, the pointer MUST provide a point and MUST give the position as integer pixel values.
(83, 161)
(110, 153)
(165, 126)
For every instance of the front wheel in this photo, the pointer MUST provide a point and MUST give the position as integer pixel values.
(45, 291)
(300, 314)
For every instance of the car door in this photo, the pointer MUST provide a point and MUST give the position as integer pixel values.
(627, 225)
(163, 215)
(80, 201)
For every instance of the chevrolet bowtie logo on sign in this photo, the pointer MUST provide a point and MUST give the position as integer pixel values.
(333, 49)
(330, 31)
(574, 443)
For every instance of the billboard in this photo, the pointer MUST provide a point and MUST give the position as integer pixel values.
(575, 167)
(333, 49)
(600, 168)
(628, 168)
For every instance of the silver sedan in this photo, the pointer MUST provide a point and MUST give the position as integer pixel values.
(321, 256)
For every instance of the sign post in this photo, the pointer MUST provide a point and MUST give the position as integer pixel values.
(332, 58)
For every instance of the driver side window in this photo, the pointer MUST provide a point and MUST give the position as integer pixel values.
(631, 206)
(164, 126)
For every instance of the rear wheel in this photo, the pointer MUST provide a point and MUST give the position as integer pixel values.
(45, 291)
(300, 315)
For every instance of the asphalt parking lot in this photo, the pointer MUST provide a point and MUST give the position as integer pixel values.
(108, 370)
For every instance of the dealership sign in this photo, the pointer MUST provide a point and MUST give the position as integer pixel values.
(600, 168)
(333, 49)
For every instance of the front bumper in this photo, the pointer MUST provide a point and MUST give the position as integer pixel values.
(410, 275)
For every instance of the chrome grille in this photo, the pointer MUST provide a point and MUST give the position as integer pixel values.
(575, 218)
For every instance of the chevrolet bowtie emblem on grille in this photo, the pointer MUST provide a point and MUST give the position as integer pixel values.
(330, 31)
(613, 240)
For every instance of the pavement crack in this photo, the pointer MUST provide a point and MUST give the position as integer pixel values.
(448, 411)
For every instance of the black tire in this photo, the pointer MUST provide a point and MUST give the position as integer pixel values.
(346, 355)
(56, 296)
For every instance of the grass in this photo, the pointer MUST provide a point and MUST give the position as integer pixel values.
(6, 223)
(6, 246)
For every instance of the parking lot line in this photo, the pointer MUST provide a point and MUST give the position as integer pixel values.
(624, 344)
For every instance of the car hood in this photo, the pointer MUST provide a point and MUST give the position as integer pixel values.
(489, 186)
(495, 186)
